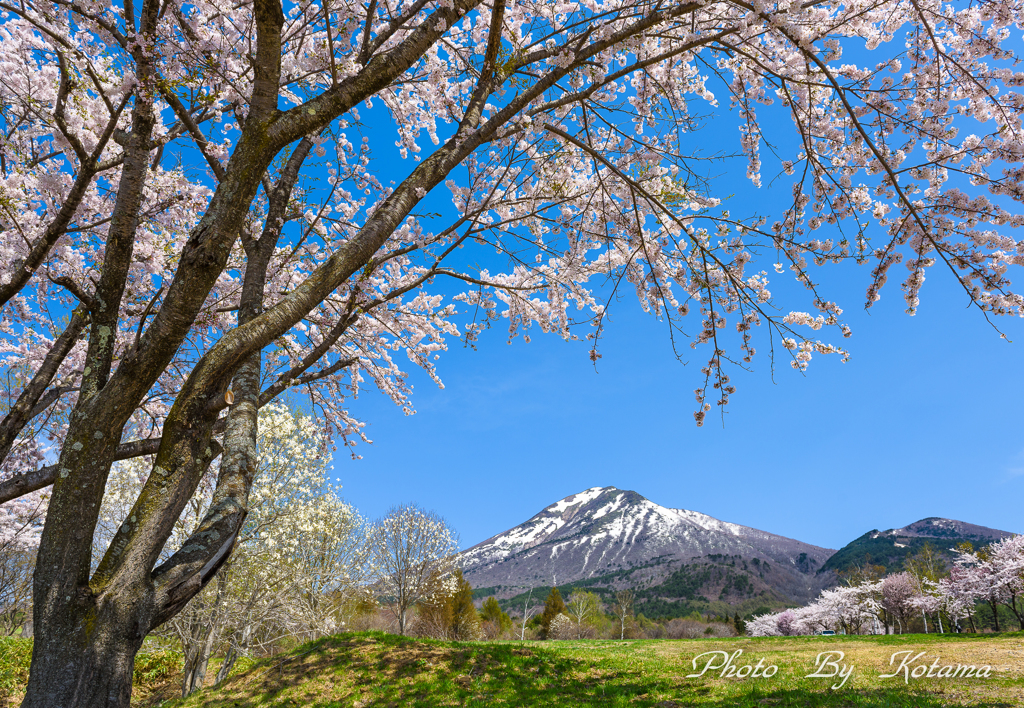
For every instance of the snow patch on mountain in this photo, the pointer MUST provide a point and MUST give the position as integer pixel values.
(605, 529)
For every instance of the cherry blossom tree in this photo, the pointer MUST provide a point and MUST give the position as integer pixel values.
(1006, 558)
(765, 625)
(801, 620)
(927, 600)
(778, 624)
(995, 574)
(20, 525)
(957, 593)
(191, 225)
(898, 592)
(850, 608)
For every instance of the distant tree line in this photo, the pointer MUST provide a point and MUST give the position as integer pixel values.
(982, 590)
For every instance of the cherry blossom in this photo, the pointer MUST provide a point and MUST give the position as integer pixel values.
(194, 221)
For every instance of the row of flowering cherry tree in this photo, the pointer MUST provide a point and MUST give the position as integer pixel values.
(993, 575)
(191, 224)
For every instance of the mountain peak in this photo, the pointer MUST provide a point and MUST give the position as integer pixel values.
(892, 548)
(579, 499)
(938, 527)
(604, 530)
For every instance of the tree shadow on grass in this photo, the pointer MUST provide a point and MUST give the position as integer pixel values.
(847, 698)
(378, 670)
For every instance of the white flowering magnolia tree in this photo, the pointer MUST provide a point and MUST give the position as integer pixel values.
(191, 224)
(411, 554)
(300, 551)
(562, 627)
(21, 522)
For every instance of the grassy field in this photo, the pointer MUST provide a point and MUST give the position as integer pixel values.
(374, 669)
(364, 670)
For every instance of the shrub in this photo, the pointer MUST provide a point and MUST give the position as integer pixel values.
(15, 656)
(151, 668)
(562, 627)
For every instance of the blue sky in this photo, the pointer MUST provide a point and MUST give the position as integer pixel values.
(925, 420)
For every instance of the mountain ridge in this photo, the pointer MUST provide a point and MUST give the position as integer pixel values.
(891, 548)
(679, 561)
(606, 531)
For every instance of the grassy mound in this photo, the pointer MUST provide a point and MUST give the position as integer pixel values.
(373, 669)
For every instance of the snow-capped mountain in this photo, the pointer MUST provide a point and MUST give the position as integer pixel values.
(603, 531)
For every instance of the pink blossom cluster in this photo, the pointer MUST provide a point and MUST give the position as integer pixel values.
(570, 139)
(570, 199)
(994, 575)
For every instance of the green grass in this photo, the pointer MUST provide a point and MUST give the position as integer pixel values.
(155, 672)
(15, 655)
(381, 670)
(374, 669)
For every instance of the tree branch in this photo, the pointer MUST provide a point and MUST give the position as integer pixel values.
(25, 408)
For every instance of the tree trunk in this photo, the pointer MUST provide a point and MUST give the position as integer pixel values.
(1012, 604)
(995, 612)
(84, 655)
(238, 647)
(196, 666)
(198, 660)
(229, 663)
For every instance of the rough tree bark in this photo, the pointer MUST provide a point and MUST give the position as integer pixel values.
(88, 630)
(89, 625)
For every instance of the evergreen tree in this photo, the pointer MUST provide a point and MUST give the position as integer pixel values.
(449, 612)
(740, 625)
(465, 622)
(491, 611)
(553, 607)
